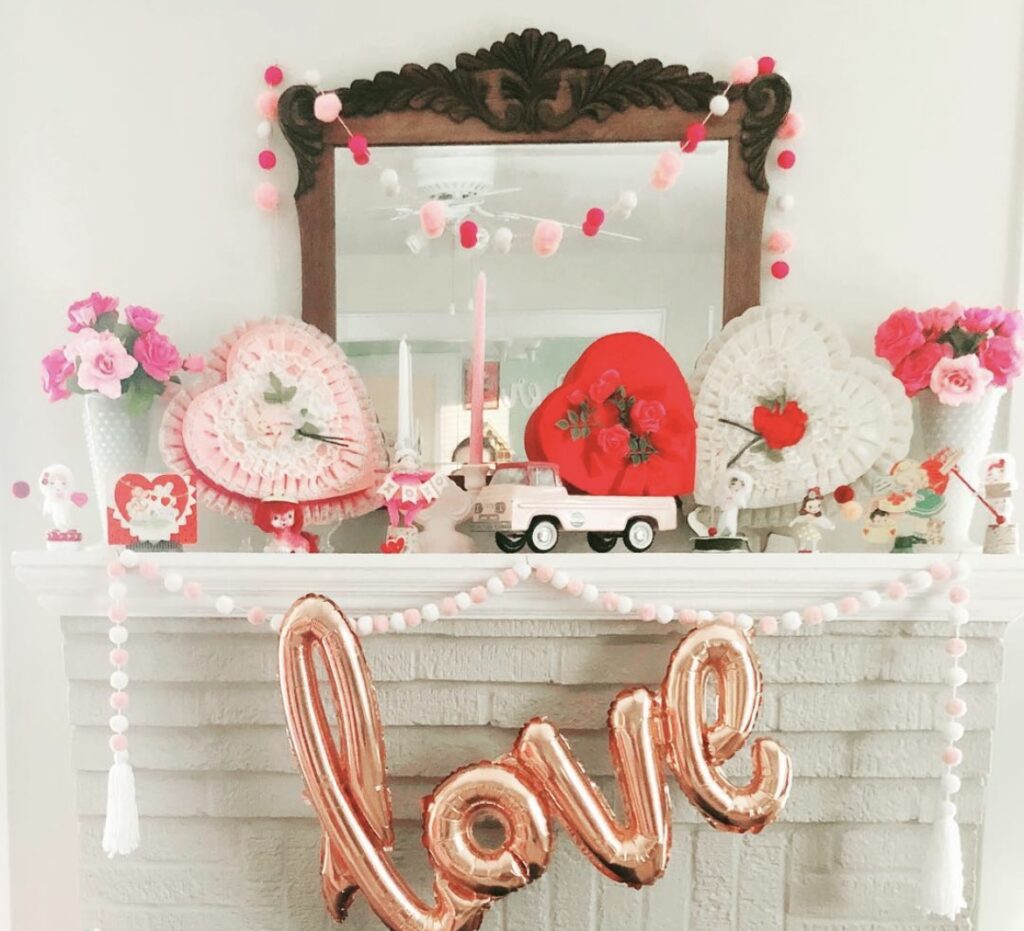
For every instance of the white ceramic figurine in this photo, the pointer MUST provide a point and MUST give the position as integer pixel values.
(56, 484)
(731, 495)
(1000, 478)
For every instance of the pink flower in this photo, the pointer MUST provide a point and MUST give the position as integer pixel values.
(646, 416)
(57, 369)
(915, 371)
(85, 313)
(1011, 325)
(614, 440)
(982, 319)
(898, 336)
(577, 397)
(159, 357)
(1002, 357)
(960, 381)
(937, 321)
(602, 389)
(104, 363)
(194, 363)
(142, 318)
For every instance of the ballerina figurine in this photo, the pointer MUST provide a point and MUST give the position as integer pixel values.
(810, 522)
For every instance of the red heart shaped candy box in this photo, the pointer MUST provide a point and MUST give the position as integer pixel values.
(648, 373)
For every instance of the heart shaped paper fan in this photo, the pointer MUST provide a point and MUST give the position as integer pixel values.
(281, 413)
(858, 417)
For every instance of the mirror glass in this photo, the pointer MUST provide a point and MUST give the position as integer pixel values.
(659, 271)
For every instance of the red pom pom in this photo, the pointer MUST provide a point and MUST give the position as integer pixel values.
(273, 75)
(468, 234)
(842, 494)
(595, 216)
(786, 159)
(780, 269)
(589, 229)
(359, 148)
(765, 64)
(267, 159)
(695, 133)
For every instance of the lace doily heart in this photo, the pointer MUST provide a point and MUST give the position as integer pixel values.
(762, 370)
(282, 414)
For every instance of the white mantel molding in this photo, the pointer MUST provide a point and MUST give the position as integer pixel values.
(74, 584)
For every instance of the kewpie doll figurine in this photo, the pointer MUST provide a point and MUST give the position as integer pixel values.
(811, 521)
(731, 495)
(55, 484)
(282, 519)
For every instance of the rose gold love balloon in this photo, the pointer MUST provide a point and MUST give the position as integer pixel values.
(525, 791)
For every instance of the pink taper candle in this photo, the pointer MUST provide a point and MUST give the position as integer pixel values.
(476, 374)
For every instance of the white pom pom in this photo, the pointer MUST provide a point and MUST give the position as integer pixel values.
(502, 240)
(959, 614)
(431, 612)
(119, 724)
(313, 77)
(744, 621)
(625, 604)
(264, 129)
(389, 182)
(956, 676)
(495, 586)
(829, 611)
(173, 581)
(522, 569)
(119, 680)
(118, 591)
(785, 202)
(560, 579)
(275, 622)
(952, 730)
(364, 625)
(128, 558)
(665, 614)
(705, 617)
(225, 604)
(870, 598)
(118, 634)
(625, 205)
(950, 783)
(719, 105)
(947, 809)
(397, 622)
(463, 601)
(921, 580)
(791, 620)
(589, 593)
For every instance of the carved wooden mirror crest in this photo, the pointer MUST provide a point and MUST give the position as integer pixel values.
(535, 88)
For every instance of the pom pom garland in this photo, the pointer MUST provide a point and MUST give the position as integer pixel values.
(786, 159)
(792, 126)
(781, 242)
(744, 71)
(502, 240)
(389, 182)
(469, 234)
(765, 64)
(359, 147)
(433, 218)
(273, 75)
(696, 133)
(327, 107)
(719, 105)
(266, 103)
(267, 196)
(780, 270)
(547, 237)
(267, 159)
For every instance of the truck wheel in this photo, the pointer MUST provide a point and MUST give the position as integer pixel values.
(639, 534)
(510, 542)
(602, 542)
(542, 535)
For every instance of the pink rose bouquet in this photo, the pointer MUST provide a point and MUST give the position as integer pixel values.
(115, 354)
(955, 352)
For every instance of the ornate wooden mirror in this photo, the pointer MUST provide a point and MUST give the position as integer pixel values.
(533, 126)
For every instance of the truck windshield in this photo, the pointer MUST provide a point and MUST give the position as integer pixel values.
(509, 477)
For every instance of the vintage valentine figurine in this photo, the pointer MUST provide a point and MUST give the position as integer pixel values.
(909, 500)
(1000, 479)
(811, 521)
(721, 532)
(282, 519)
(56, 484)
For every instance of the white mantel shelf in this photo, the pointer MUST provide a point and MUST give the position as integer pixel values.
(75, 583)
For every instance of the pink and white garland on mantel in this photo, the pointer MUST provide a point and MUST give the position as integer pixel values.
(942, 876)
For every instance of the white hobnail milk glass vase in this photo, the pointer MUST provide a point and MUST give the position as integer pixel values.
(968, 428)
(117, 441)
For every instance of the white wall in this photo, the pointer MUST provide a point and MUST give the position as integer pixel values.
(128, 165)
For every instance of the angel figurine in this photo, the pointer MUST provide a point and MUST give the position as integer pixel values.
(56, 485)
(811, 521)
(730, 496)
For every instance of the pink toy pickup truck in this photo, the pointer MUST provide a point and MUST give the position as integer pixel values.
(526, 503)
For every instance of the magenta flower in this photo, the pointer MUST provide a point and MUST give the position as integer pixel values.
(960, 381)
(141, 318)
(915, 371)
(1002, 357)
(158, 356)
(1012, 324)
(194, 363)
(103, 364)
(982, 319)
(937, 321)
(898, 336)
(85, 313)
(57, 369)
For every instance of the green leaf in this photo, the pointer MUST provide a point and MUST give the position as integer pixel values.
(288, 394)
(74, 387)
(585, 432)
(145, 384)
(275, 383)
(575, 434)
(562, 424)
(136, 401)
(175, 379)
(573, 416)
(106, 323)
(963, 343)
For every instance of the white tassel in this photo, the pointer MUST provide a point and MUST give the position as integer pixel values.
(942, 873)
(121, 830)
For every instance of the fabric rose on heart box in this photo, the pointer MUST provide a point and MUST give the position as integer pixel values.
(621, 422)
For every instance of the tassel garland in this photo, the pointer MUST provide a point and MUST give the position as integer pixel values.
(121, 829)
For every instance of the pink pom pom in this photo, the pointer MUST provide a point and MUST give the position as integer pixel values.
(449, 607)
(118, 743)
(688, 616)
(547, 237)
(791, 127)
(648, 612)
(765, 64)
(727, 617)
(956, 707)
(360, 149)
(119, 701)
(478, 594)
(327, 107)
(897, 591)
(266, 103)
(610, 601)
(780, 241)
(744, 71)
(79, 499)
(469, 233)
(786, 159)
(670, 163)
(544, 574)
(192, 591)
(149, 569)
(21, 489)
(661, 181)
(813, 615)
(412, 616)
(952, 756)
(433, 217)
(575, 587)
(696, 133)
(768, 625)
(118, 614)
(256, 616)
(273, 75)
(380, 623)
(267, 159)
(959, 595)
(851, 510)
(780, 270)
(941, 571)
(118, 657)
(115, 570)
(849, 605)
(267, 196)
(510, 578)
(956, 647)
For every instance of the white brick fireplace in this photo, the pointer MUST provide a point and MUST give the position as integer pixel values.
(229, 845)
